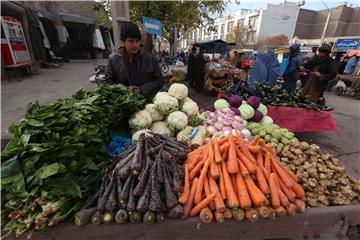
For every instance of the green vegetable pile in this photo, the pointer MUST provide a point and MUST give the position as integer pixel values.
(56, 155)
(272, 133)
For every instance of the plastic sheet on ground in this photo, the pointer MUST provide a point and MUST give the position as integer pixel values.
(302, 119)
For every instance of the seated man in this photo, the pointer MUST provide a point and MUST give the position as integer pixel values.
(133, 67)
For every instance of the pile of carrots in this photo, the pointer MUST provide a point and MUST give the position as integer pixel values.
(231, 178)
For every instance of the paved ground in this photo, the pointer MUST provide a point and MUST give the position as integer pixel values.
(52, 84)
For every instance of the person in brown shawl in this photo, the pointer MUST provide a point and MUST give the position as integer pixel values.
(318, 71)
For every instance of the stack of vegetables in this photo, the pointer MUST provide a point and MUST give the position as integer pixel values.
(143, 183)
(56, 153)
(170, 113)
(278, 137)
(232, 178)
(321, 174)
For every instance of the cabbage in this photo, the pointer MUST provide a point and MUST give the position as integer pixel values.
(221, 104)
(266, 120)
(246, 111)
(263, 109)
(253, 101)
(235, 110)
(235, 101)
(209, 107)
(257, 116)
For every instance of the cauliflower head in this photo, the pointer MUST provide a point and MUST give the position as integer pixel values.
(190, 108)
(177, 121)
(178, 91)
(155, 114)
(161, 128)
(160, 94)
(166, 103)
(137, 134)
(140, 120)
(196, 120)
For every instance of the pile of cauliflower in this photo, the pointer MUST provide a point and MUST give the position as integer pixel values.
(170, 113)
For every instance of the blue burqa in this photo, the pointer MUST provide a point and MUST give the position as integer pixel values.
(259, 73)
(273, 68)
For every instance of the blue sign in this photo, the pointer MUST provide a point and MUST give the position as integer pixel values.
(347, 44)
(152, 26)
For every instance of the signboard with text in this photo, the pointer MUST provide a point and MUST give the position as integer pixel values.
(343, 45)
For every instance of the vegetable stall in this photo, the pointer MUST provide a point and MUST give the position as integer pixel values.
(227, 163)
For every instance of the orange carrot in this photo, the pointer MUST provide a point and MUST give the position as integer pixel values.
(243, 170)
(262, 143)
(291, 209)
(222, 141)
(272, 213)
(219, 216)
(196, 169)
(284, 176)
(222, 183)
(288, 171)
(284, 201)
(206, 215)
(193, 163)
(259, 159)
(243, 195)
(292, 192)
(244, 148)
(254, 149)
(266, 174)
(280, 211)
(255, 140)
(263, 211)
(257, 196)
(227, 213)
(285, 190)
(275, 200)
(224, 147)
(214, 170)
(267, 162)
(218, 200)
(263, 185)
(230, 193)
(251, 167)
(300, 205)
(218, 158)
(203, 173)
(232, 165)
(251, 215)
(233, 183)
(186, 192)
(202, 204)
(189, 204)
(238, 214)
(298, 190)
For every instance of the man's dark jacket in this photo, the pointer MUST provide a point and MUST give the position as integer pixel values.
(327, 68)
(150, 76)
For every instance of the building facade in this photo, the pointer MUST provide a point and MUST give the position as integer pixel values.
(273, 19)
(344, 22)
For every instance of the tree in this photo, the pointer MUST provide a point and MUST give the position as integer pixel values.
(272, 42)
(184, 15)
(237, 35)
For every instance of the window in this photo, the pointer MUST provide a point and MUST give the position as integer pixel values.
(240, 23)
(230, 26)
(222, 28)
(253, 22)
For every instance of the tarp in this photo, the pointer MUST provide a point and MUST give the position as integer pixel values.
(213, 46)
(302, 119)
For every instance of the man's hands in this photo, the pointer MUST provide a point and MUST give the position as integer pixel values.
(135, 89)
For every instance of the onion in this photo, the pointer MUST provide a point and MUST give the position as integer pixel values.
(212, 115)
(227, 121)
(237, 125)
(226, 133)
(219, 125)
(227, 128)
(238, 119)
(246, 133)
(212, 130)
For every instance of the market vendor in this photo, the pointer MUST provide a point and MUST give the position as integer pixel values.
(320, 70)
(132, 66)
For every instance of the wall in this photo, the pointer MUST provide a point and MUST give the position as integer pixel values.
(344, 21)
(278, 19)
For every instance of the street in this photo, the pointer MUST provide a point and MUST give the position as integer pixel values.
(52, 84)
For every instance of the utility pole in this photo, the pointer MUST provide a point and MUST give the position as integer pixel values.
(119, 14)
(326, 23)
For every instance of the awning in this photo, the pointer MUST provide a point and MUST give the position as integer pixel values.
(65, 17)
(213, 46)
(45, 14)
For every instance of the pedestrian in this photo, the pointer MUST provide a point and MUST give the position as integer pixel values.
(132, 66)
(191, 67)
(200, 70)
(321, 69)
(291, 74)
(227, 56)
(351, 64)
